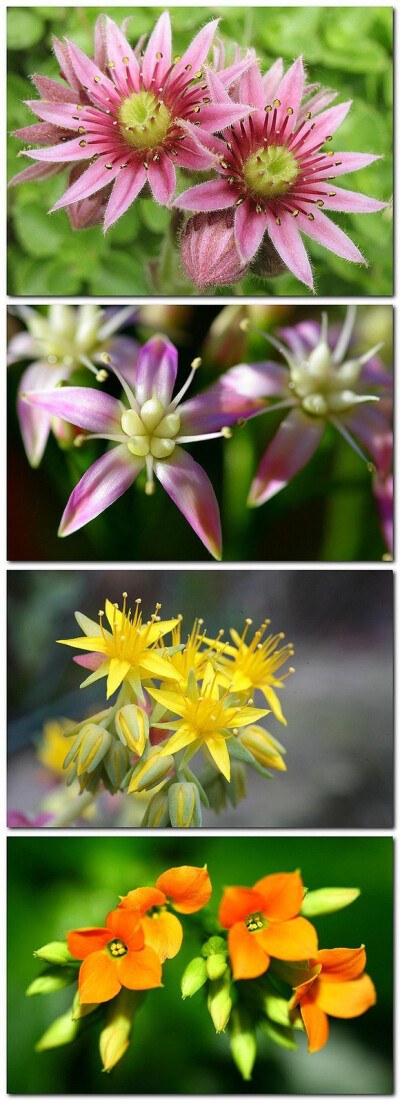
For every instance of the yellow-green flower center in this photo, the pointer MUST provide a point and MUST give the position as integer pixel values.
(321, 386)
(117, 948)
(153, 431)
(255, 922)
(144, 120)
(269, 172)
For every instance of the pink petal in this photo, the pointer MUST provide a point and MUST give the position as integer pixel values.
(36, 172)
(80, 405)
(196, 53)
(220, 406)
(233, 72)
(216, 116)
(162, 179)
(252, 88)
(288, 243)
(100, 56)
(372, 430)
(374, 373)
(324, 231)
(42, 132)
(156, 370)
(35, 423)
(252, 381)
(105, 481)
(62, 54)
(159, 44)
(215, 195)
(89, 661)
(317, 102)
(124, 352)
(190, 489)
(60, 114)
(100, 89)
(272, 79)
(63, 152)
(95, 177)
(126, 188)
(51, 90)
(383, 492)
(125, 72)
(250, 227)
(349, 162)
(352, 201)
(293, 445)
(324, 125)
(290, 93)
(21, 346)
(193, 153)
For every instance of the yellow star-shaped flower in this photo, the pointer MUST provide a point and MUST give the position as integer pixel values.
(246, 667)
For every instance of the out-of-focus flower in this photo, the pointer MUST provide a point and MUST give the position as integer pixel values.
(209, 251)
(338, 987)
(383, 493)
(247, 666)
(207, 717)
(114, 956)
(125, 652)
(15, 819)
(136, 121)
(51, 748)
(263, 921)
(147, 436)
(191, 654)
(60, 342)
(275, 175)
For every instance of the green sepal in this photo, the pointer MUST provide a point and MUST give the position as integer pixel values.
(328, 900)
(54, 978)
(79, 1010)
(189, 775)
(56, 952)
(239, 751)
(215, 946)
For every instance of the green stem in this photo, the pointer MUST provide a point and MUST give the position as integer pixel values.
(74, 810)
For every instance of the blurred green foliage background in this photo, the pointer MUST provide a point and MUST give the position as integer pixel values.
(57, 884)
(326, 513)
(348, 49)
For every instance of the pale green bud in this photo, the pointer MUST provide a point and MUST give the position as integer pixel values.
(184, 805)
(116, 763)
(94, 743)
(55, 978)
(151, 772)
(280, 1035)
(219, 1001)
(62, 1031)
(216, 966)
(194, 977)
(238, 785)
(215, 945)
(79, 1010)
(114, 1038)
(55, 952)
(157, 813)
(132, 726)
(327, 900)
(243, 1042)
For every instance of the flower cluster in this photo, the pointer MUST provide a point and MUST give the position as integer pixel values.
(128, 119)
(261, 968)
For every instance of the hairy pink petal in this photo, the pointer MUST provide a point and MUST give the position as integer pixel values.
(68, 151)
(127, 186)
(100, 89)
(196, 53)
(34, 422)
(209, 252)
(215, 116)
(159, 44)
(62, 54)
(215, 195)
(156, 370)
(190, 489)
(252, 88)
(288, 243)
(95, 177)
(36, 172)
(290, 93)
(100, 56)
(162, 179)
(126, 73)
(348, 162)
(105, 481)
(328, 234)
(80, 405)
(41, 132)
(232, 73)
(352, 201)
(293, 445)
(324, 126)
(272, 79)
(52, 90)
(250, 227)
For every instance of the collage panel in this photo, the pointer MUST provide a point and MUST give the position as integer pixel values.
(204, 150)
(228, 699)
(225, 1021)
(197, 432)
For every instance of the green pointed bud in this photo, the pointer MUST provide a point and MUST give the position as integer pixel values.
(191, 686)
(114, 1038)
(55, 978)
(216, 966)
(157, 813)
(238, 785)
(274, 1006)
(219, 1001)
(194, 977)
(132, 726)
(215, 946)
(280, 1035)
(79, 1010)
(148, 774)
(95, 741)
(116, 763)
(62, 1031)
(328, 900)
(55, 952)
(243, 1042)
(184, 805)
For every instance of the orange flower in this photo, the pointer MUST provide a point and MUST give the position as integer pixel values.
(263, 922)
(114, 957)
(188, 890)
(338, 987)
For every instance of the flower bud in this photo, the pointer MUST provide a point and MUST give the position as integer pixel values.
(55, 952)
(219, 1001)
(215, 946)
(328, 900)
(238, 784)
(209, 252)
(147, 774)
(114, 1038)
(80, 1010)
(216, 966)
(184, 805)
(259, 743)
(62, 1031)
(243, 1042)
(54, 978)
(132, 726)
(116, 763)
(157, 813)
(94, 742)
(193, 977)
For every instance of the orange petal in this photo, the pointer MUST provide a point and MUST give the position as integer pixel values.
(163, 933)
(248, 958)
(342, 964)
(143, 898)
(139, 970)
(98, 978)
(289, 940)
(189, 888)
(81, 942)
(316, 1024)
(127, 925)
(346, 999)
(237, 903)
(282, 895)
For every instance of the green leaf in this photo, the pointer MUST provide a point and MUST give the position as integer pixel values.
(120, 273)
(155, 217)
(24, 28)
(39, 234)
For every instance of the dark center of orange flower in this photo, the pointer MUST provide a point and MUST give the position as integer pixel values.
(254, 922)
(117, 948)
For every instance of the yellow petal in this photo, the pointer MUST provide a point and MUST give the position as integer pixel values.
(245, 717)
(183, 737)
(171, 700)
(157, 630)
(216, 745)
(87, 643)
(275, 703)
(117, 672)
(158, 667)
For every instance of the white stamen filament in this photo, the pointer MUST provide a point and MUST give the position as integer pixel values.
(205, 436)
(173, 404)
(349, 439)
(114, 323)
(129, 393)
(345, 335)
